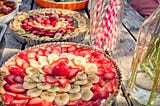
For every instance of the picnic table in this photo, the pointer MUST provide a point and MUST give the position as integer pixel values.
(122, 55)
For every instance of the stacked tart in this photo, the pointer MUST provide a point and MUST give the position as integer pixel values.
(45, 25)
(59, 74)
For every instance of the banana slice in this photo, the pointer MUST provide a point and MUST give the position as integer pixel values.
(29, 85)
(93, 78)
(52, 58)
(35, 77)
(43, 86)
(81, 82)
(64, 55)
(28, 79)
(34, 64)
(74, 96)
(80, 61)
(43, 64)
(53, 89)
(71, 57)
(48, 96)
(29, 71)
(88, 86)
(62, 99)
(41, 71)
(74, 89)
(35, 92)
(87, 94)
(91, 68)
(81, 76)
(41, 78)
(42, 59)
(65, 89)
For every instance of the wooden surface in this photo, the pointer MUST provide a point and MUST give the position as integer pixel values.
(122, 54)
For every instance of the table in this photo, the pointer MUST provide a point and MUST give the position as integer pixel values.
(122, 54)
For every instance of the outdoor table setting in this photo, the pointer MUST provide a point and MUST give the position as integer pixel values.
(50, 47)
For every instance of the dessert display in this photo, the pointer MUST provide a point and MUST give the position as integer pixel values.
(59, 74)
(65, 4)
(49, 25)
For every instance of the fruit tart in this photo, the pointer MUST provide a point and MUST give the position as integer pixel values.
(59, 74)
(45, 25)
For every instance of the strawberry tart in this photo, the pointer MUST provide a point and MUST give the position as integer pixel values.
(59, 74)
(44, 25)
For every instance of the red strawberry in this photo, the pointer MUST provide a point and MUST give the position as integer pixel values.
(7, 98)
(97, 102)
(40, 52)
(63, 82)
(50, 79)
(64, 71)
(16, 88)
(22, 56)
(72, 48)
(47, 21)
(18, 103)
(47, 69)
(15, 70)
(88, 103)
(109, 86)
(64, 49)
(101, 82)
(73, 72)
(18, 79)
(25, 65)
(105, 64)
(62, 31)
(85, 51)
(31, 54)
(56, 70)
(36, 102)
(65, 60)
(6, 86)
(9, 78)
(110, 75)
(70, 28)
(75, 103)
(19, 62)
(21, 97)
(54, 23)
(96, 55)
(48, 48)
(96, 90)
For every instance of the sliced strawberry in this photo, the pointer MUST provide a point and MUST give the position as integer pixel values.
(54, 23)
(97, 102)
(64, 49)
(64, 71)
(96, 90)
(51, 79)
(72, 48)
(47, 21)
(18, 79)
(46, 52)
(101, 81)
(85, 51)
(58, 47)
(21, 97)
(56, 71)
(9, 78)
(63, 82)
(31, 54)
(47, 69)
(16, 88)
(68, 27)
(6, 86)
(96, 55)
(18, 103)
(75, 103)
(25, 65)
(40, 52)
(73, 72)
(36, 102)
(19, 62)
(15, 70)
(7, 98)
(62, 30)
(49, 48)
(22, 75)
(109, 75)
(88, 103)
(109, 86)
(22, 56)
(105, 64)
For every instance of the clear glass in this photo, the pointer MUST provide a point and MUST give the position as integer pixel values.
(105, 23)
(144, 81)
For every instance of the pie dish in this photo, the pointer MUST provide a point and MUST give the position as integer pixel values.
(45, 25)
(58, 74)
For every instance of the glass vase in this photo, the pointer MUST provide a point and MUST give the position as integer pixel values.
(144, 80)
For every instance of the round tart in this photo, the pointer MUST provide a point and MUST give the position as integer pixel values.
(57, 74)
(45, 25)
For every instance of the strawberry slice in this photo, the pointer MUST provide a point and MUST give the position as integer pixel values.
(56, 71)
(75, 103)
(25, 65)
(101, 81)
(9, 78)
(40, 52)
(46, 52)
(97, 102)
(18, 103)
(72, 28)
(54, 23)
(51, 79)
(64, 71)
(16, 88)
(18, 79)
(109, 75)
(19, 62)
(63, 82)
(109, 87)
(31, 55)
(15, 70)
(64, 49)
(7, 98)
(36, 102)
(49, 48)
(96, 90)
(88, 103)
(47, 69)
(73, 72)
(84, 51)
(6, 86)
(72, 48)
(104, 64)
(21, 97)
(22, 56)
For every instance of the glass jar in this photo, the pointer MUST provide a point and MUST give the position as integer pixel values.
(144, 81)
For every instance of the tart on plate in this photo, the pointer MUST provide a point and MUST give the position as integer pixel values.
(59, 74)
(45, 25)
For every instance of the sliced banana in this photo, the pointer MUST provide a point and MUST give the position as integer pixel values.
(43, 64)
(41, 71)
(88, 86)
(53, 89)
(62, 99)
(74, 96)
(35, 77)
(74, 89)
(52, 58)
(65, 89)
(42, 59)
(87, 94)
(64, 55)
(35, 92)
(29, 85)
(43, 86)
(80, 61)
(34, 64)
(28, 79)
(29, 71)
(71, 57)
(48, 96)
(81, 82)
(41, 78)
(81, 76)
(93, 78)
(91, 68)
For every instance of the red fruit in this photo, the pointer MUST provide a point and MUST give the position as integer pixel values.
(31, 54)
(19, 61)
(47, 69)
(75, 103)
(73, 72)
(97, 55)
(58, 47)
(22, 75)
(18, 79)
(25, 65)
(72, 48)
(54, 23)
(105, 64)
(22, 56)
(18, 103)
(15, 70)
(56, 70)
(21, 97)
(62, 31)
(85, 51)
(36, 102)
(46, 53)
(64, 49)
(40, 52)
(109, 87)
(110, 75)
(49, 48)
(96, 90)
(63, 82)
(16, 88)
(7, 98)
(64, 60)
(64, 71)
(88, 103)
(69, 20)
(6, 86)
(70, 28)
(47, 21)
(9, 78)
(101, 82)
(39, 20)
(51, 79)
(97, 102)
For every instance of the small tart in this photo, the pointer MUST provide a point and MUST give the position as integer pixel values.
(44, 25)
(59, 74)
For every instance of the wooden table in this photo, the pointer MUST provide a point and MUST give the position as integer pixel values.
(122, 54)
